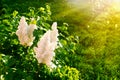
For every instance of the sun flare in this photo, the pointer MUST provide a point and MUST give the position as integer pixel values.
(101, 5)
(116, 5)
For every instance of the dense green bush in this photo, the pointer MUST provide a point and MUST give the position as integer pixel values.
(17, 62)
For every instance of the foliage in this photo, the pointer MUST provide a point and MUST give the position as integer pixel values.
(18, 62)
(66, 73)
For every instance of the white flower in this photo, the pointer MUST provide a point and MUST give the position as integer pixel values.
(46, 46)
(25, 32)
(54, 34)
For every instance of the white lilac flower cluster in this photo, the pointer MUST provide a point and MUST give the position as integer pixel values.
(44, 51)
(25, 32)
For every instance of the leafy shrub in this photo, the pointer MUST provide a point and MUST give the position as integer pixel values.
(17, 62)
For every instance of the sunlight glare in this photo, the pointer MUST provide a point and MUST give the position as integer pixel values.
(116, 5)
